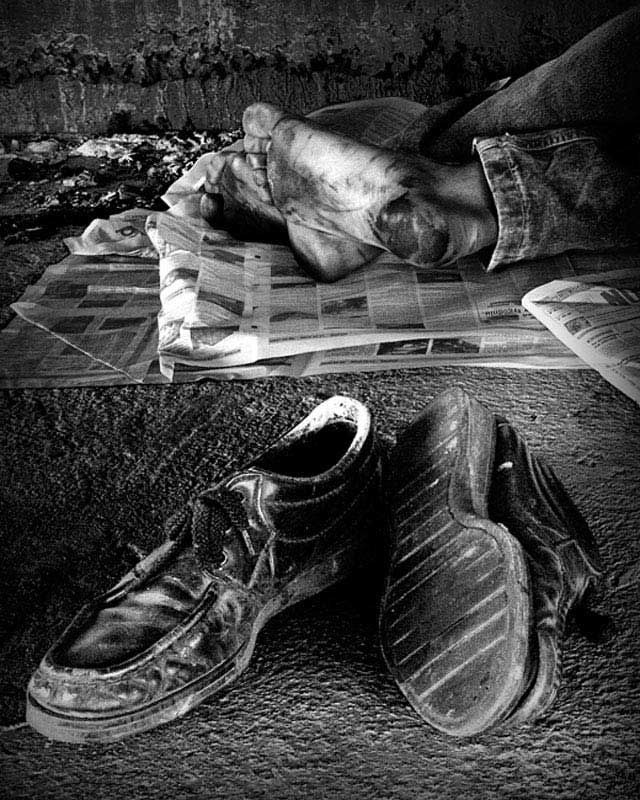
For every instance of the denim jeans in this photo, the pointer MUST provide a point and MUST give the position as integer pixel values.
(559, 190)
(559, 145)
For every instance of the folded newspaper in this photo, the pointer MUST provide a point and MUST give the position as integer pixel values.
(598, 317)
(161, 296)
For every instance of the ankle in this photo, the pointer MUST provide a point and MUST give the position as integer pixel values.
(462, 184)
(468, 206)
(445, 214)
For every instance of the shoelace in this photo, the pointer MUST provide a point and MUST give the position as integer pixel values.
(208, 522)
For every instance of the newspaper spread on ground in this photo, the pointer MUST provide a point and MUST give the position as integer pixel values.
(233, 305)
(228, 304)
(151, 297)
(31, 357)
(598, 317)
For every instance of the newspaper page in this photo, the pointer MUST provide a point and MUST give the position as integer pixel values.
(598, 317)
(121, 234)
(154, 297)
(150, 297)
(226, 304)
(101, 307)
(31, 357)
(410, 354)
(209, 306)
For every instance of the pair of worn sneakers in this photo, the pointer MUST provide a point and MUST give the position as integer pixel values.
(486, 557)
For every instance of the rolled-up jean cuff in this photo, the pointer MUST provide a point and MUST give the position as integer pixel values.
(509, 196)
(561, 189)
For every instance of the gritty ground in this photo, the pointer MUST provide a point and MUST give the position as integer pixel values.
(89, 475)
(51, 188)
(46, 183)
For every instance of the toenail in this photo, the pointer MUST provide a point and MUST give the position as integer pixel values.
(211, 187)
(255, 144)
(237, 165)
(215, 169)
(260, 177)
(257, 160)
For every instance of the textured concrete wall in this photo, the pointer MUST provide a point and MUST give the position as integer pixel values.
(95, 65)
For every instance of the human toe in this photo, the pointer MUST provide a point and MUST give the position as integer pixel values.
(215, 170)
(255, 179)
(260, 119)
(257, 160)
(212, 208)
(255, 144)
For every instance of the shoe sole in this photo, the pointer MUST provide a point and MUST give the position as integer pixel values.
(455, 618)
(91, 727)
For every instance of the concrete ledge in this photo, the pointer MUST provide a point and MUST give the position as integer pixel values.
(176, 63)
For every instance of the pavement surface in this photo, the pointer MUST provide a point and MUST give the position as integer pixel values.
(89, 476)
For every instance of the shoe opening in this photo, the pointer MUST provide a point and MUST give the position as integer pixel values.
(314, 452)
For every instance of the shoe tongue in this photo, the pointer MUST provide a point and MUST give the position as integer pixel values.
(219, 533)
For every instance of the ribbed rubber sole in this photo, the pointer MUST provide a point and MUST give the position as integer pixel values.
(455, 616)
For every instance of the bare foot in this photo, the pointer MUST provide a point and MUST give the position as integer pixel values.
(238, 199)
(344, 202)
(234, 201)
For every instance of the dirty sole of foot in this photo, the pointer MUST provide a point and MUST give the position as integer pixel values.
(455, 617)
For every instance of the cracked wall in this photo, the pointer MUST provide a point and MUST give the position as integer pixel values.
(89, 66)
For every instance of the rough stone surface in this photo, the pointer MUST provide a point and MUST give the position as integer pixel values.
(97, 65)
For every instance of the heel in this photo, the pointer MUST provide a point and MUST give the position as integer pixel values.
(412, 229)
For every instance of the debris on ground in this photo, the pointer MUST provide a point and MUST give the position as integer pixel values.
(48, 182)
(43, 148)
